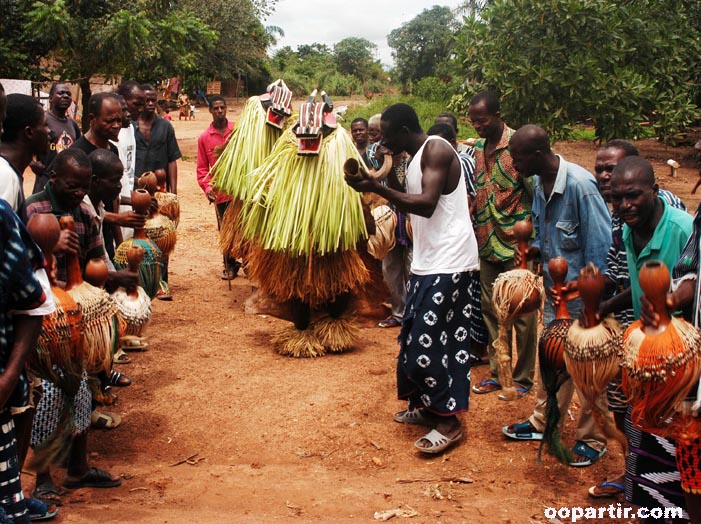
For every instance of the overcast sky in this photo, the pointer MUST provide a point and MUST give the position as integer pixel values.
(329, 21)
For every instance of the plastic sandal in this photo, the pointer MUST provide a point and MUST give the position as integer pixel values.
(606, 490)
(486, 386)
(412, 416)
(39, 510)
(118, 380)
(522, 431)
(590, 454)
(438, 442)
(520, 393)
(389, 323)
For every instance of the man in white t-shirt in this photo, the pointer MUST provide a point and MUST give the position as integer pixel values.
(433, 367)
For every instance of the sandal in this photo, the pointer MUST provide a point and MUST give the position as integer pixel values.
(95, 478)
(487, 386)
(118, 380)
(412, 416)
(104, 420)
(47, 493)
(120, 357)
(438, 442)
(588, 453)
(132, 343)
(522, 431)
(520, 393)
(606, 489)
(390, 322)
(39, 510)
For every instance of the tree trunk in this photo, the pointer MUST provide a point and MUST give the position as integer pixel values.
(85, 94)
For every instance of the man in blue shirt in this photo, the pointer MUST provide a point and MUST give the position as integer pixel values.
(572, 221)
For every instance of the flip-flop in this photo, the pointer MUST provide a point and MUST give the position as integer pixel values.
(120, 357)
(439, 442)
(590, 454)
(520, 393)
(95, 478)
(412, 416)
(118, 380)
(39, 510)
(606, 490)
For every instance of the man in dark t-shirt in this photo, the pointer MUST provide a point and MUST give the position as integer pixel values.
(63, 132)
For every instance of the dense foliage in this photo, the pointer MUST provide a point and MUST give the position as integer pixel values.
(620, 65)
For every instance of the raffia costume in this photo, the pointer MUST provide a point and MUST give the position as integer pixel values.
(303, 223)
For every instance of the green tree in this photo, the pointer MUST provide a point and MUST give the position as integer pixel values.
(423, 46)
(354, 56)
(563, 62)
(117, 37)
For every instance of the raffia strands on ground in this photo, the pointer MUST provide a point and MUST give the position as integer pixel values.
(660, 370)
(245, 150)
(231, 239)
(161, 230)
(100, 329)
(511, 297)
(150, 267)
(135, 310)
(592, 357)
(60, 343)
(314, 280)
(302, 204)
(169, 205)
(553, 372)
(336, 334)
(292, 342)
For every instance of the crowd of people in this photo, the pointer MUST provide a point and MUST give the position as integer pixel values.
(456, 207)
(616, 219)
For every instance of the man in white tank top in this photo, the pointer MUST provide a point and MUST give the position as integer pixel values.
(433, 367)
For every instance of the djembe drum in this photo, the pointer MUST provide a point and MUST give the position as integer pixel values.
(61, 337)
(592, 353)
(551, 348)
(150, 267)
(516, 293)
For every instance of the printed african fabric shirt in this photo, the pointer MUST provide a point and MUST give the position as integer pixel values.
(20, 290)
(503, 198)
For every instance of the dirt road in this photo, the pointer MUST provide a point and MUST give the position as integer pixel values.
(218, 428)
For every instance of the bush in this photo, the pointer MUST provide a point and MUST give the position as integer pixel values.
(432, 88)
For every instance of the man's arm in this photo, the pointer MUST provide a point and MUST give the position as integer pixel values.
(595, 225)
(26, 329)
(173, 155)
(203, 177)
(436, 165)
(173, 177)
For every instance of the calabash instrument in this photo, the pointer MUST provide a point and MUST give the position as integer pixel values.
(660, 365)
(100, 323)
(61, 337)
(150, 266)
(516, 293)
(592, 353)
(551, 349)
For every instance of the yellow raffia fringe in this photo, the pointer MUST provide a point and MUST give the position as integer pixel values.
(231, 239)
(136, 311)
(246, 148)
(315, 280)
(506, 286)
(336, 334)
(592, 357)
(99, 329)
(292, 342)
(302, 204)
(660, 370)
